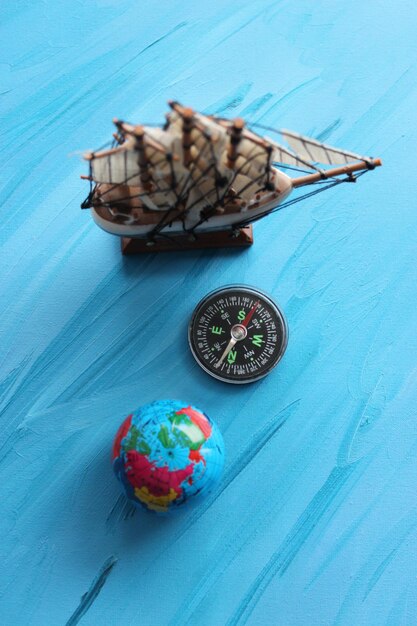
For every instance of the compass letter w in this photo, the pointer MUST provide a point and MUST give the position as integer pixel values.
(258, 340)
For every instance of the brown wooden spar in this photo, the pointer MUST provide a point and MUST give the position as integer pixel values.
(117, 138)
(336, 171)
(235, 137)
(119, 135)
(187, 115)
(187, 142)
(145, 177)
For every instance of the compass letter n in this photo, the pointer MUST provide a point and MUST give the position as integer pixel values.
(231, 357)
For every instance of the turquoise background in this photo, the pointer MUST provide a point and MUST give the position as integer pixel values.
(315, 522)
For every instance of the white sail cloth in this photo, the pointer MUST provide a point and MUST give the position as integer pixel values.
(199, 185)
(314, 151)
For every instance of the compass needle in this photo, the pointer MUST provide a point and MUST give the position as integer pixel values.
(226, 352)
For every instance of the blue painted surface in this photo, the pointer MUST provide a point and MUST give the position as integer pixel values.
(316, 520)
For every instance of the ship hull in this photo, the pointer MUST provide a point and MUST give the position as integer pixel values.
(268, 201)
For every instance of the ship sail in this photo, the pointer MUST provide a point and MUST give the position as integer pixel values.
(283, 155)
(199, 168)
(316, 152)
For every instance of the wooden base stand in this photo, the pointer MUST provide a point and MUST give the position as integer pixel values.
(216, 239)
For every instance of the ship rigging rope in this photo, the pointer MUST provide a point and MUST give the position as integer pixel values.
(221, 201)
(205, 219)
(182, 196)
(288, 203)
(284, 166)
(164, 220)
(236, 173)
(163, 223)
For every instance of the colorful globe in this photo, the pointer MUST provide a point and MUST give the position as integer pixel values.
(167, 452)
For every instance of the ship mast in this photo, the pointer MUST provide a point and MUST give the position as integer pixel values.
(235, 137)
(145, 175)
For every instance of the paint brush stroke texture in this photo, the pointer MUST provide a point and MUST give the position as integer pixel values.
(315, 521)
(90, 595)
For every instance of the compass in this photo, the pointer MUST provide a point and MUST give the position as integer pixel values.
(237, 334)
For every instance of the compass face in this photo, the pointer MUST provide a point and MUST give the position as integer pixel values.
(237, 334)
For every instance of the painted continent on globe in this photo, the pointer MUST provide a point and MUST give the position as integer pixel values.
(166, 452)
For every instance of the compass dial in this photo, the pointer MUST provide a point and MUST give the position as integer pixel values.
(237, 334)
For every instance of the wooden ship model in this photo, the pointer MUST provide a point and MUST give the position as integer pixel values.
(201, 181)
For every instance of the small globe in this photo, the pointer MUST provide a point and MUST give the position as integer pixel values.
(167, 452)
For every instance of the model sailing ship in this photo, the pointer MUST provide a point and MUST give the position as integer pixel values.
(200, 181)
